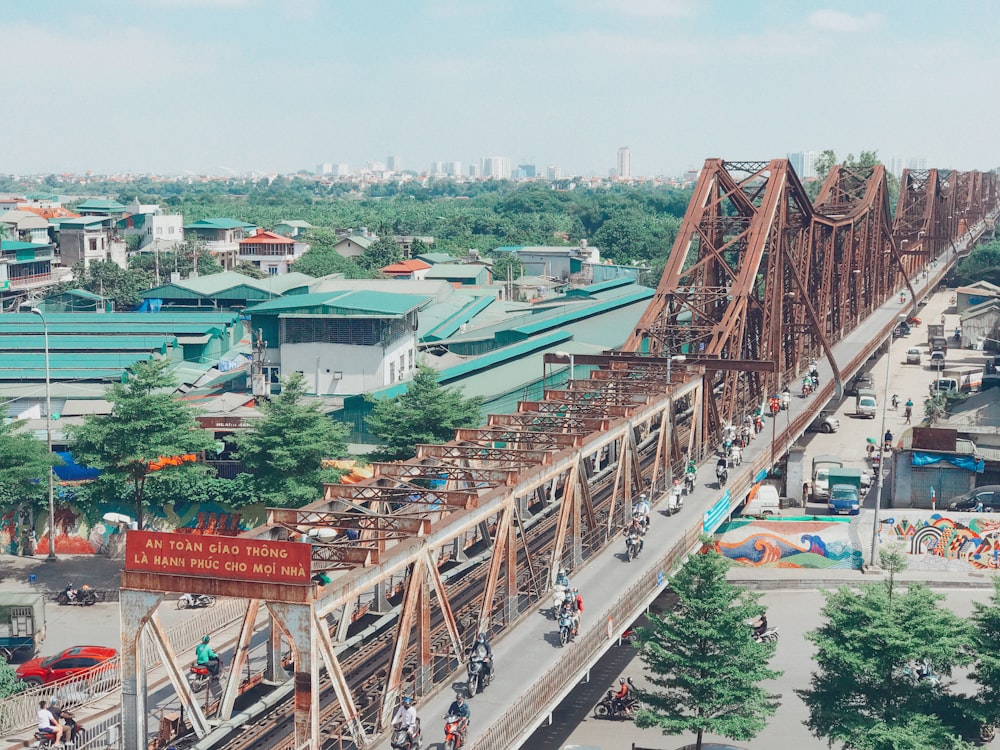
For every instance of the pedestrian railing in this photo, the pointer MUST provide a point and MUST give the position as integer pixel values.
(19, 712)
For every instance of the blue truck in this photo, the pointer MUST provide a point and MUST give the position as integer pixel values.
(845, 491)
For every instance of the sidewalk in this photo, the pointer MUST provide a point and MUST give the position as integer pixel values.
(97, 571)
(779, 578)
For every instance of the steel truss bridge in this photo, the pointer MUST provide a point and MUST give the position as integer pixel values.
(466, 536)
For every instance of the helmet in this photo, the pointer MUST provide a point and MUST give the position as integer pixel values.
(459, 697)
(205, 639)
(482, 637)
(621, 680)
(562, 571)
(407, 700)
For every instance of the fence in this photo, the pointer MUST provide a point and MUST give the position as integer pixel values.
(522, 715)
(20, 712)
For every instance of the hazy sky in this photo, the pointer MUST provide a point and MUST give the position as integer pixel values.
(208, 85)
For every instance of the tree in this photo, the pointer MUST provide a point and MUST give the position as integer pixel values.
(826, 161)
(986, 646)
(247, 268)
(24, 465)
(504, 262)
(703, 655)
(381, 253)
(866, 692)
(107, 278)
(285, 450)
(180, 258)
(427, 413)
(321, 259)
(146, 424)
(9, 683)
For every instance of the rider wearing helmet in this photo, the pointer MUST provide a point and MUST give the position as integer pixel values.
(207, 657)
(621, 697)
(482, 652)
(406, 717)
(642, 509)
(459, 707)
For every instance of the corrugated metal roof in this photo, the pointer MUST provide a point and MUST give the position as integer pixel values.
(587, 311)
(454, 271)
(101, 204)
(343, 303)
(989, 454)
(218, 224)
(449, 326)
(435, 258)
(64, 342)
(603, 286)
(90, 328)
(71, 361)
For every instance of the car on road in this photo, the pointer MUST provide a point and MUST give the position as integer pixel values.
(913, 356)
(863, 381)
(988, 496)
(72, 662)
(937, 360)
(825, 422)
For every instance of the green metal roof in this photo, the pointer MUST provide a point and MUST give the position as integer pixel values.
(49, 197)
(8, 245)
(570, 316)
(455, 271)
(344, 302)
(435, 258)
(81, 222)
(219, 224)
(14, 361)
(603, 286)
(26, 374)
(448, 327)
(66, 342)
(78, 329)
(229, 284)
(84, 320)
(101, 204)
(82, 293)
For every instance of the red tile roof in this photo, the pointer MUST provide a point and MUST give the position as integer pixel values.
(269, 238)
(406, 266)
(50, 213)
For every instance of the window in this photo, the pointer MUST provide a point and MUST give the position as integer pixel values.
(402, 365)
(411, 359)
(392, 372)
(272, 270)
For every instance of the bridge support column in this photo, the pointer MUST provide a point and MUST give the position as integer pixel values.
(459, 551)
(274, 672)
(136, 609)
(380, 604)
(298, 622)
(522, 507)
(422, 677)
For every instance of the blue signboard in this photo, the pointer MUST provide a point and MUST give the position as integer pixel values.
(760, 476)
(715, 515)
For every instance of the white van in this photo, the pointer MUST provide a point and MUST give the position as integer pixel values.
(765, 502)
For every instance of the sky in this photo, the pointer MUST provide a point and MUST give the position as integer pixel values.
(232, 86)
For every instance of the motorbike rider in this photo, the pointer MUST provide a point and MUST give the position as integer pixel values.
(482, 652)
(406, 718)
(207, 658)
(721, 467)
(569, 610)
(562, 579)
(635, 529)
(887, 440)
(63, 716)
(641, 510)
(460, 709)
(761, 627)
(621, 697)
(70, 592)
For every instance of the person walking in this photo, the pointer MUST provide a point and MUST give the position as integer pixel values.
(908, 410)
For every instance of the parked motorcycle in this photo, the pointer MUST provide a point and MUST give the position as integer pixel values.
(633, 543)
(195, 601)
(83, 596)
(722, 475)
(565, 628)
(480, 675)
(455, 728)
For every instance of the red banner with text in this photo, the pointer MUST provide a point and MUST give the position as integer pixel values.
(232, 558)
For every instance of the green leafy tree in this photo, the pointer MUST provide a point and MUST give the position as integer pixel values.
(285, 450)
(247, 268)
(381, 253)
(104, 277)
(181, 258)
(427, 413)
(9, 684)
(146, 424)
(24, 465)
(703, 657)
(504, 262)
(826, 161)
(321, 259)
(866, 693)
(986, 646)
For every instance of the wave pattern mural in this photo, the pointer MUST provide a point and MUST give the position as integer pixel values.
(954, 542)
(790, 543)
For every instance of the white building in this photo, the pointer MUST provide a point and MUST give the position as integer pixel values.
(325, 168)
(393, 164)
(474, 171)
(553, 172)
(624, 163)
(496, 167)
(453, 168)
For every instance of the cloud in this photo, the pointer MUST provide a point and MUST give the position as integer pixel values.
(641, 8)
(835, 20)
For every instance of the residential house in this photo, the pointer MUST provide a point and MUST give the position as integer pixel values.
(25, 226)
(975, 294)
(85, 240)
(555, 262)
(221, 237)
(292, 227)
(102, 207)
(270, 252)
(154, 229)
(407, 269)
(343, 342)
(25, 266)
(354, 245)
(406, 241)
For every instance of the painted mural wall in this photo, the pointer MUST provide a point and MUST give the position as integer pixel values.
(946, 540)
(806, 542)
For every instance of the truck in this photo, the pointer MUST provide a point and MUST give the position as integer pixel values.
(935, 330)
(845, 491)
(821, 466)
(866, 403)
(764, 500)
(958, 380)
(22, 624)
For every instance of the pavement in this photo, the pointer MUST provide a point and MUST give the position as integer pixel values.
(97, 571)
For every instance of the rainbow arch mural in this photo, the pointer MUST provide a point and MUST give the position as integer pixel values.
(807, 542)
(956, 541)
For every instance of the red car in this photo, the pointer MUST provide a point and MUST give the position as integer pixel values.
(69, 663)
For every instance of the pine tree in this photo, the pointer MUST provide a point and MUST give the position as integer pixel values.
(427, 413)
(146, 423)
(703, 656)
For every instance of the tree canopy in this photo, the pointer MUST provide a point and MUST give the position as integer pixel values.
(284, 451)
(383, 252)
(107, 278)
(867, 693)
(321, 259)
(427, 413)
(146, 424)
(702, 656)
(181, 258)
(24, 465)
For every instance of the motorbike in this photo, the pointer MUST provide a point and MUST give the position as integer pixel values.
(722, 475)
(565, 628)
(558, 596)
(455, 728)
(689, 483)
(199, 676)
(480, 675)
(771, 634)
(806, 389)
(786, 400)
(629, 636)
(401, 739)
(735, 456)
(611, 708)
(922, 672)
(195, 601)
(72, 727)
(633, 542)
(82, 596)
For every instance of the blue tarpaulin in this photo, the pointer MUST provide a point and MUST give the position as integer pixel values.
(71, 471)
(969, 463)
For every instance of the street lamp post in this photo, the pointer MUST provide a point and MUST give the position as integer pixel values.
(882, 460)
(48, 437)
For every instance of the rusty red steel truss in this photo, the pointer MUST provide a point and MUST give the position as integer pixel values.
(760, 272)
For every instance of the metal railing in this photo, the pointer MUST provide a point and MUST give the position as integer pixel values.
(19, 712)
(537, 700)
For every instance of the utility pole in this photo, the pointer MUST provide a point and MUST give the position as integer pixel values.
(260, 386)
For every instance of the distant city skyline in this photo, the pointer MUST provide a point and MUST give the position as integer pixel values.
(558, 84)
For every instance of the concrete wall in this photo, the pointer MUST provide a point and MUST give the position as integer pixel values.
(805, 542)
(944, 541)
(361, 368)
